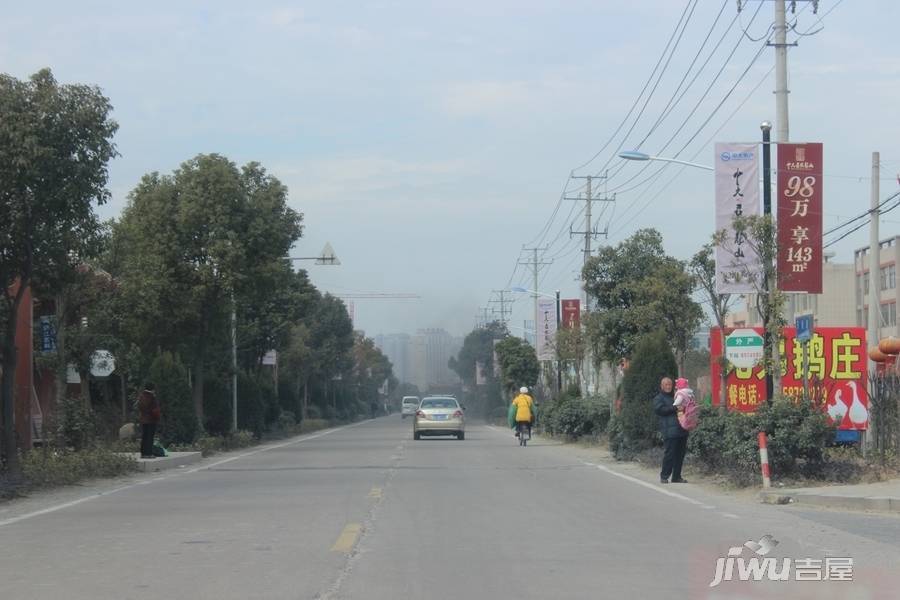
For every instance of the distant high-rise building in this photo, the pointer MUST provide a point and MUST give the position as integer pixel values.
(396, 346)
(431, 350)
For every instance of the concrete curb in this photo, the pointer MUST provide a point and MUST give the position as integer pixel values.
(172, 461)
(872, 503)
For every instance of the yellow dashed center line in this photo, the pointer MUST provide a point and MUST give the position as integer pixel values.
(347, 539)
(375, 493)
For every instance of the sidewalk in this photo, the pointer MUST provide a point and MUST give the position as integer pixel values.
(161, 463)
(883, 496)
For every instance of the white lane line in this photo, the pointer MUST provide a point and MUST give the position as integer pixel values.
(649, 486)
(730, 515)
(640, 482)
(65, 505)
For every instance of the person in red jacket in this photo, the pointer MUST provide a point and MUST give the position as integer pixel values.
(149, 410)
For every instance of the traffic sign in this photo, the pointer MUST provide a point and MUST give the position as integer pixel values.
(804, 327)
(744, 348)
(103, 363)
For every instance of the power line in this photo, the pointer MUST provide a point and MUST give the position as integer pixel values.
(861, 216)
(643, 90)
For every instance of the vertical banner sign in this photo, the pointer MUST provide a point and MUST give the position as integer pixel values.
(800, 218)
(546, 329)
(738, 268)
(571, 314)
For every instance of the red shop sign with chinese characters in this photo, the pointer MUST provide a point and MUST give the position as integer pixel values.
(571, 314)
(800, 218)
(837, 372)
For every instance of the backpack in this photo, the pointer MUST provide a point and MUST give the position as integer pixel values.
(689, 418)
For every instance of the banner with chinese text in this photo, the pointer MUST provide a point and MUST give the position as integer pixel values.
(837, 374)
(571, 314)
(546, 329)
(738, 267)
(800, 218)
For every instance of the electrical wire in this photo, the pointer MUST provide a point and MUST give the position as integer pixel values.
(643, 90)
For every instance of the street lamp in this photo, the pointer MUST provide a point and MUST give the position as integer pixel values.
(766, 128)
(641, 156)
(556, 296)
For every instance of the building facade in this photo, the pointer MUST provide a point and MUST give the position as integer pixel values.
(834, 307)
(889, 252)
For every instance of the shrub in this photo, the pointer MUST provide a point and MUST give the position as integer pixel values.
(50, 467)
(574, 416)
(240, 439)
(77, 428)
(217, 404)
(796, 430)
(310, 425)
(179, 421)
(652, 360)
(727, 444)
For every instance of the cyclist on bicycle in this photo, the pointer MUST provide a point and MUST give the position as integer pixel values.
(524, 411)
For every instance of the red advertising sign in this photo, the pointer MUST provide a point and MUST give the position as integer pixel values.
(571, 314)
(837, 374)
(800, 218)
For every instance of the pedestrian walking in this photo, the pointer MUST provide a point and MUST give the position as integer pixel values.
(674, 435)
(149, 413)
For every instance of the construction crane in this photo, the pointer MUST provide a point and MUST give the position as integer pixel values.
(350, 297)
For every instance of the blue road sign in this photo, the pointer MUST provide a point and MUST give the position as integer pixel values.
(804, 327)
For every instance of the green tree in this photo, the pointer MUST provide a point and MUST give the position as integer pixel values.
(179, 423)
(760, 231)
(519, 365)
(653, 360)
(638, 290)
(703, 267)
(478, 348)
(571, 348)
(55, 144)
(189, 242)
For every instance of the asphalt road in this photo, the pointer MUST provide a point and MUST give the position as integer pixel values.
(365, 512)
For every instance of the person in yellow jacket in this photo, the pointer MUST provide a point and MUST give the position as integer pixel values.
(524, 410)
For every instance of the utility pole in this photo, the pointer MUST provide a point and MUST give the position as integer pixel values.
(504, 312)
(535, 265)
(874, 279)
(589, 234)
(782, 120)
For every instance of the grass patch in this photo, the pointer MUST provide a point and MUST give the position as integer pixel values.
(49, 467)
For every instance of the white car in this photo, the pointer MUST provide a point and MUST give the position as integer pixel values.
(409, 406)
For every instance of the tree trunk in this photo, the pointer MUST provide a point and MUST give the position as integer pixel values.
(197, 392)
(62, 366)
(304, 407)
(86, 390)
(8, 386)
(124, 397)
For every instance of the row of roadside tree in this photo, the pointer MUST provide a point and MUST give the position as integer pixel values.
(159, 286)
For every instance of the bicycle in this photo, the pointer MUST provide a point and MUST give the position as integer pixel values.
(522, 428)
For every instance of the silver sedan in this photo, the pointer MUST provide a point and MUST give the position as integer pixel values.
(439, 415)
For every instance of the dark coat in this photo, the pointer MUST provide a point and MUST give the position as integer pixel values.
(148, 407)
(664, 407)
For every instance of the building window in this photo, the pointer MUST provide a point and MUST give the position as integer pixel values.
(889, 315)
(888, 277)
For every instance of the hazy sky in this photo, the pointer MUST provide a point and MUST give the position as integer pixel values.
(429, 141)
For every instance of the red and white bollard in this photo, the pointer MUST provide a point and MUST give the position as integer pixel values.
(764, 460)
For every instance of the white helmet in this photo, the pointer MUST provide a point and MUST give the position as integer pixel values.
(523, 390)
